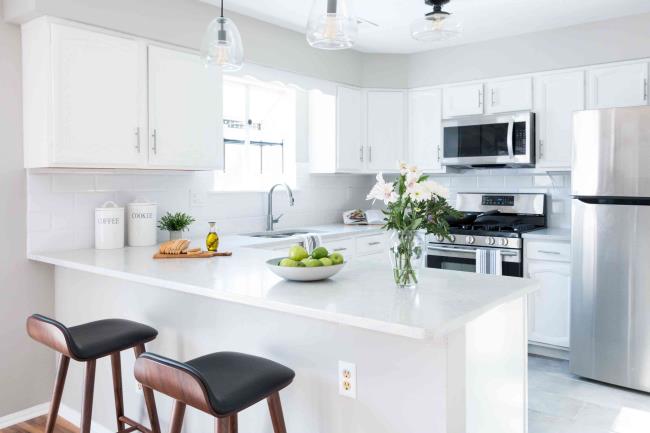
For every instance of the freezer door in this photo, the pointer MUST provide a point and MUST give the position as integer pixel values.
(611, 152)
(610, 294)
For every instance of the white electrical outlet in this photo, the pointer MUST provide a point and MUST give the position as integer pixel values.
(347, 379)
(198, 198)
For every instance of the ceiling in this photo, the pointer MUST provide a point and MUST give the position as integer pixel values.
(482, 19)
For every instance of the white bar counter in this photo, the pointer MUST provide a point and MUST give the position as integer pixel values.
(447, 357)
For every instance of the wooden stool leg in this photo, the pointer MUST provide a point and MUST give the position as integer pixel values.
(116, 366)
(275, 408)
(149, 399)
(64, 361)
(177, 417)
(226, 425)
(89, 387)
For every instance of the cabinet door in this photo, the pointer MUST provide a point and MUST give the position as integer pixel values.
(462, 100)
(509, 95)
(349, 136)
(386, 129)
(549, 307)
(557, 96)
(95, 94)
(425, 129)
(185, 111)
(618, 86)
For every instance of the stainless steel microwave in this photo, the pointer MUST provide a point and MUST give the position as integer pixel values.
(500, 140)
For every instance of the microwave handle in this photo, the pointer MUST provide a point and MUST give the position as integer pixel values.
(511, 129)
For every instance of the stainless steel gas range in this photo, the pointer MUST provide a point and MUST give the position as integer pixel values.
(492, 222)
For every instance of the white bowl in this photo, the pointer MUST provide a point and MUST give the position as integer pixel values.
(303, 274)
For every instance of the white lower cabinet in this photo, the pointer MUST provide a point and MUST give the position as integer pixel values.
(549, 307)
(345, 246)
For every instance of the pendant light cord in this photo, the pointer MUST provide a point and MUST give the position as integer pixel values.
(221, 8)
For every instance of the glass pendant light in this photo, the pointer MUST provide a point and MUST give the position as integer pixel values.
(332, 25)
(222, 45)
(437, 25)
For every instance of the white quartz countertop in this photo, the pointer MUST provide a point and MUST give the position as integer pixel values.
(362, 294)
(549, 234)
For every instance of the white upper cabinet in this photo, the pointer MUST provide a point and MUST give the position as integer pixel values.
(502, 96)
(425, 131)
(185, 111)
(386, 129)
(462, 100)
(349, 130)
(82, 98)
(557, 96)
(85, 101)
(623, 85)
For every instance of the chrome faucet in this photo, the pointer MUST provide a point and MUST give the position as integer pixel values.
(270, 219)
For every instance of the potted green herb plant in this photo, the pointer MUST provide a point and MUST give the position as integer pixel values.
(175, 224)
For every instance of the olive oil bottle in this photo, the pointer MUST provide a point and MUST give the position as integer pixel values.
(212, 239)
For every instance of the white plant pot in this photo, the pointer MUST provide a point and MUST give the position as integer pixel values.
(175, 235)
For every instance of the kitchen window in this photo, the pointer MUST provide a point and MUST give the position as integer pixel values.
(259, 129)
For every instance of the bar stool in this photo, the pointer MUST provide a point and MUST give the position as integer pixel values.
(221, 384)
(87, 343)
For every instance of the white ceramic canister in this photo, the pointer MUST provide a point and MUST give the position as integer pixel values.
(109, 226)
(141, 217)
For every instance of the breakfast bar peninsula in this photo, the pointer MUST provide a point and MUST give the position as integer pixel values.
(447, 357)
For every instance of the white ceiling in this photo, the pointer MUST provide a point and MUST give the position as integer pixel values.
(482, 19)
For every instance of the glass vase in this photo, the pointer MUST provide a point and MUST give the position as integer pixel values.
(407, 254)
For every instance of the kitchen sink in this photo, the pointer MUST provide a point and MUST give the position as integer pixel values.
(280, 234)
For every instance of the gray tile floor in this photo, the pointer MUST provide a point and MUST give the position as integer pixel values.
(560, 402)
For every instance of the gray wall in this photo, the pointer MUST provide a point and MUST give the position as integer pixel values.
(26, 369)
(587, 44)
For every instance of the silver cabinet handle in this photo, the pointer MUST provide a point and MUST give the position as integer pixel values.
(361, 153)
(137, 139)
(541, 147)
(374, 243)
(438, 153)
(480, 98)
(154, 147)
(645, 89)
(339, 249)
(555, 253)
(492, 97)
(370, 153)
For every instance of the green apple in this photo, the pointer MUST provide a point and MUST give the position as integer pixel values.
(301, 264)
(326, 262)
(336, 258)
(297, 253)
(312, 263)
(319, 253)
(288, 263)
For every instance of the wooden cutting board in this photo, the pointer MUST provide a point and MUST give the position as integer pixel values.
(202, 255)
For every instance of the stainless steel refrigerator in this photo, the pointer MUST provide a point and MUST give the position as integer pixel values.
(610, 287)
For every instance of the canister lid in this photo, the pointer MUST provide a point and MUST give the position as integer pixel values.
(140, 201)
(109, 205)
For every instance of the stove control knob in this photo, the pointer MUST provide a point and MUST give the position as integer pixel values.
(490, 240)
(440, 238)
(469, 239)
(503, 242)
(452, 238)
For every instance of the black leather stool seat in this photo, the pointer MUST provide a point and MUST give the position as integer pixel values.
(96, 339)
(233, 381)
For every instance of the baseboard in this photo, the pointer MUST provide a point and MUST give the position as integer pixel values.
(74, 417)
(24, 415)
(548, 351)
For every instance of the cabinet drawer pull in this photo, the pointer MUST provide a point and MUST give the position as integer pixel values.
(361, 153)
(374, 243)
(137, 139)
(154, 135)
(340, 249)
(555, 253)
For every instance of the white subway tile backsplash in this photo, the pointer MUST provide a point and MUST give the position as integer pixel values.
(73, 183)
(487, 182)
(518, 181)
(463, 182)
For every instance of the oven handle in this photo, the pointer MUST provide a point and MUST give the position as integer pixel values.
(511, 130)
(467, 250)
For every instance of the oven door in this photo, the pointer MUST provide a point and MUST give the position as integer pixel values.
(504, 139)
(464, 259)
